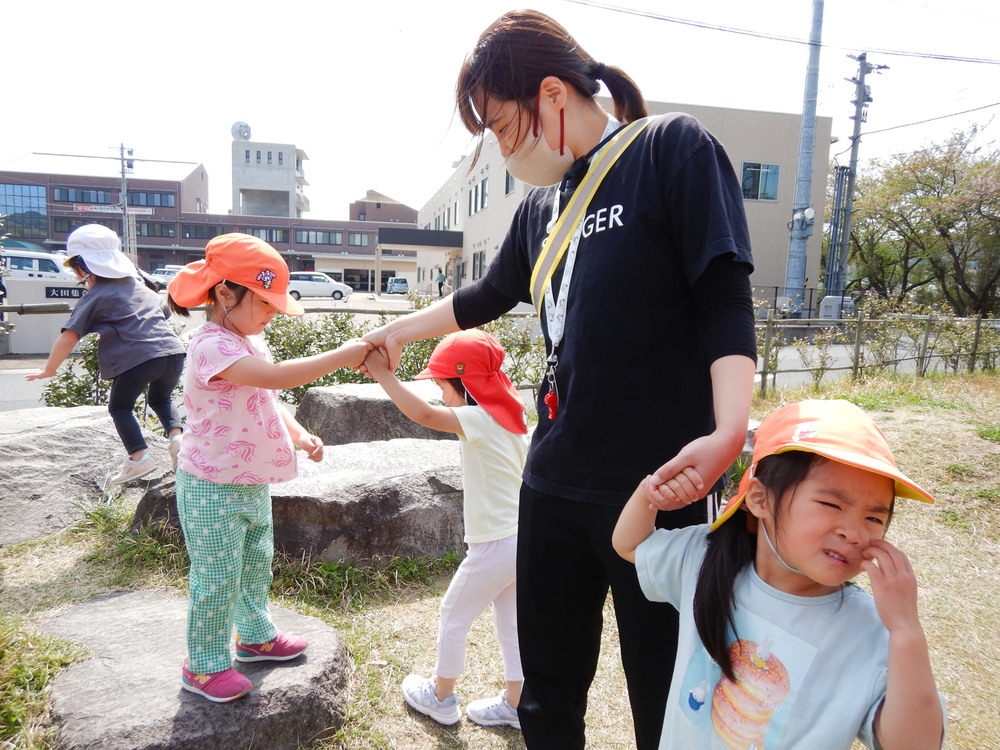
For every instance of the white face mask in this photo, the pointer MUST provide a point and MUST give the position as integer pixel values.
(537, 164)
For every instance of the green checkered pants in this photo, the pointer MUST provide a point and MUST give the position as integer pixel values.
(229, 537)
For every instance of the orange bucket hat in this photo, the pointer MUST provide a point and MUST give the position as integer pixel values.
(835, 429)
(242, 259)
(476, 357)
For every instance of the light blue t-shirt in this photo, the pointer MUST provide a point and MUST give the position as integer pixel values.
(812, 670)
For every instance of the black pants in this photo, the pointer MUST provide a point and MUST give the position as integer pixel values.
(565, 566)
(161, 375)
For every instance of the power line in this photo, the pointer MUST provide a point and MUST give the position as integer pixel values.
(932, 119)
(775, 37)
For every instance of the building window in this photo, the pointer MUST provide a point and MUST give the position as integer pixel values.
(258, 157)
(24, 211)
(508, 185)
(760, 181)
(357, 239)
(155, 229)
(77, 195)
(308, 237)
(152, 199)
(68, 225)
(248, 156)
(268, 157)
(478, 196)
(281, 157)
(478, 264)
(200, 231)
(268, 234)
(362, 216)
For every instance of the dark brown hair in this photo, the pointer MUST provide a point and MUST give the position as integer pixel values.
(238, 289)
(516, 52)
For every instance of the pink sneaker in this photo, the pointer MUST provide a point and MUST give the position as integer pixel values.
(280, 648)
(218, 687)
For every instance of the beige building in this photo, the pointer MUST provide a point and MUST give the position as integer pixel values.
(268, 178)
(763, 147)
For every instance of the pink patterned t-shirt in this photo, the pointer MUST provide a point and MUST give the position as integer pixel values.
(235, 433)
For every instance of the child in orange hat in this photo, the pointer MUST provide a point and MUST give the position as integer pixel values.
(239, 440)
(484, 410)
(777, 647)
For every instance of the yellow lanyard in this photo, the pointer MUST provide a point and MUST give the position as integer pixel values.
(556, 243)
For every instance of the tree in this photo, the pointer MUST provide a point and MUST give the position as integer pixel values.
(927, 224)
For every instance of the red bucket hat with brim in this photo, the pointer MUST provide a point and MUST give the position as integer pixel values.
(835, 429)
(476, 357)
(242, 259)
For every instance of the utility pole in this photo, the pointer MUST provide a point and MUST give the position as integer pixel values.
(128, 229)
(803, 214)
(838, 253)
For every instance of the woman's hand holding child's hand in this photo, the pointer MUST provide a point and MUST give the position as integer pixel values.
(355, 350)
(376, 364)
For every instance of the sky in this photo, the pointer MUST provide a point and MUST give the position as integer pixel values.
(366, 89)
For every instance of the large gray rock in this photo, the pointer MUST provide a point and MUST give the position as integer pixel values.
(127, 696)
(361, 412)
(364, 500)
(56, 461)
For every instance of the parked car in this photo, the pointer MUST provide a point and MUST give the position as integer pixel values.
(164, 275)
(156, 283)
(397, 285)
(28, 264)
(315, 284)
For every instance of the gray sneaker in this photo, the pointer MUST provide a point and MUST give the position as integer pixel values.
(493, 712)
(419, 694)
(135, 469)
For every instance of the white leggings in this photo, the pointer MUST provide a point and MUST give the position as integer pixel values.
(487, 574)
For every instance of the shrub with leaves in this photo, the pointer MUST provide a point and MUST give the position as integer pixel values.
(79, 383)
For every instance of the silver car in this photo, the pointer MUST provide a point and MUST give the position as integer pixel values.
(315, 284)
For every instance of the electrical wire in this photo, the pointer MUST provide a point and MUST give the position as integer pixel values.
(774, 37)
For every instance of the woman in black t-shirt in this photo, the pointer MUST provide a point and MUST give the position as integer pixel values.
(650, 322)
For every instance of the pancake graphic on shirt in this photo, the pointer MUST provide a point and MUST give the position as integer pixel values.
(742, 710)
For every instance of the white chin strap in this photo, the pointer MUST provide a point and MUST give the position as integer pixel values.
(767, 539)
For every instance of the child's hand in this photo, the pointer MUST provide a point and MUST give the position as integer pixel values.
(672, 494)
(46, 373)
(376, 364)
(312, 445)
(354, 351)
(894, 585)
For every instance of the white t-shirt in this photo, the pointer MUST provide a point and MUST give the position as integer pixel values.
(812, 670)
(492, 464)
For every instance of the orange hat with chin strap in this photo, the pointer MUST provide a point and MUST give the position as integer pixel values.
(476, 357)
(241, 259)
(835, 429)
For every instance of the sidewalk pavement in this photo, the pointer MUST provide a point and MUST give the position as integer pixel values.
(15, 391)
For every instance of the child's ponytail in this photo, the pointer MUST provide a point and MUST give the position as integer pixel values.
(238, 289)
(731, 548)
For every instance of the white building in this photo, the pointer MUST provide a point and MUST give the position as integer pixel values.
(268, 179)
(763, 147)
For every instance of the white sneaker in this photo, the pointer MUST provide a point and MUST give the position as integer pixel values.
(419, 694)
(135, 469)
(175, 448)
(493, 712)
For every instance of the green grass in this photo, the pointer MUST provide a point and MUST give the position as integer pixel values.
(989, 432)
(28, 663)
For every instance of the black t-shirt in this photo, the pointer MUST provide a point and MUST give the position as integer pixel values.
(642, 324)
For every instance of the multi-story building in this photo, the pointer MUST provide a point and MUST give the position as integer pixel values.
(268, 178)
(763, 146)
(44, 197)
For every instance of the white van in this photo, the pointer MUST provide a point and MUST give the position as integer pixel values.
(28, 264)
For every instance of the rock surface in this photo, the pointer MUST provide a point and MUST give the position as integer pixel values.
(361, 413)
(364, 500)
(127, 696)
(54, 462)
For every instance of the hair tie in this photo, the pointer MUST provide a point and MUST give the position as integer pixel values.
(599, 71)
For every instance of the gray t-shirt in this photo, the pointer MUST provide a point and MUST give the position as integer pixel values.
(131, 320)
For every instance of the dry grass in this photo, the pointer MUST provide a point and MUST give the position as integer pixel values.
(934, 427)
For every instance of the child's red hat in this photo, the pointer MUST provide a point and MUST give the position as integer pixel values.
(835, 429)
(476, 357)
